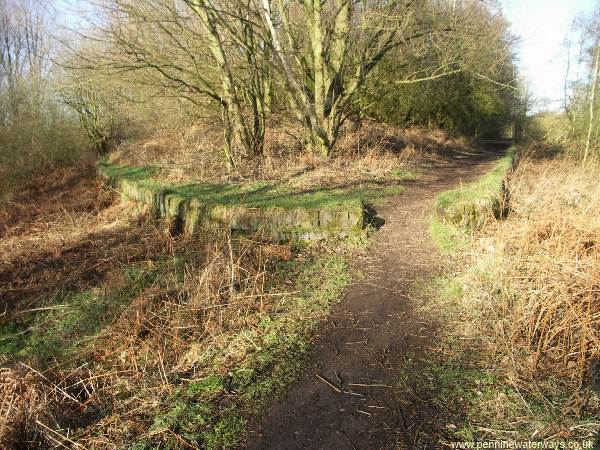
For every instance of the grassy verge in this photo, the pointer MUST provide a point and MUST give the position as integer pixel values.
(517, 348)
(213, 411)
(459, 211)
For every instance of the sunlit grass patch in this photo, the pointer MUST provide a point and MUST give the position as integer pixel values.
(447, 237)
(259, 194)
(460, 211)
(469, 206)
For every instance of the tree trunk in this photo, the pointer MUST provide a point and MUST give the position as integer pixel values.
(227, 131)
(592, 101)
(236, 119)
(317, 139)
(319, 121)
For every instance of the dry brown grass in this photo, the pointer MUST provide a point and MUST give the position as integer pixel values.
(174, 328)
(205, 324)
(369, 152)
(34, 405)
(201, 314)
(60, 191)
(533, 298)
(66, 232)
(63, 234)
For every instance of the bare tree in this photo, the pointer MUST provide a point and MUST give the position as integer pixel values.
(193, 50)
(324, 51)
(315, 54)
(24, 52)
(95, 108)
(592, 101)
(580, 94)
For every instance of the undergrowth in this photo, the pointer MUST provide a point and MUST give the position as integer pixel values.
(524, 311)
(372, 152)
(157, 340)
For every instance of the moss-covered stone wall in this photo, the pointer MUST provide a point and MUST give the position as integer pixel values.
(190, 214)
(470, 205)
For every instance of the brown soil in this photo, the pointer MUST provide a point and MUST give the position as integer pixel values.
(350, 396)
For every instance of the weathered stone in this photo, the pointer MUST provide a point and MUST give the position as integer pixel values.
(356, 218)
(326, 218)
(174, 205)
(188, 215)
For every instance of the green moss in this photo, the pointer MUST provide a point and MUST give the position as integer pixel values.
(12, 338)
(208, 386)
(184, 418)
(451, 288)
(447, 237)
(407, 174)
(226, 433)
(110, 170)
(454, 381)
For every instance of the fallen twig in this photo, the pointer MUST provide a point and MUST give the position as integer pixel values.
(331, 385)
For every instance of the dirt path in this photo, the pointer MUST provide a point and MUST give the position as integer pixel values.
(348, 397)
